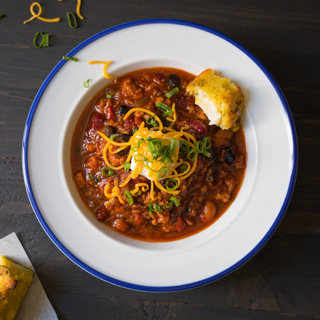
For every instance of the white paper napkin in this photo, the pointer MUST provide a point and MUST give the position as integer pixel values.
(35, 305)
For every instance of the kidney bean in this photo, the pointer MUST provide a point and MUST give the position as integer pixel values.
(128, 124)
(109, 112)
(96, 121)
(121, 225)
(185, 103)
(209, 211)
(198, 126)
(102, 213)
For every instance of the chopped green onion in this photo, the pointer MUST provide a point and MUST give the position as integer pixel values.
(184, 147)
(173, 144)
(70, 58)
(175, 201)
(152, 121)
(127, 166)
(169, 204)
(184, 167)
(164, 108)
(207, 143)
(44, 41)
(134, 131)
(1, 16)
(150, 208)
(109, 96)
(199, 146)
(73, 24)
(86, 83)
(163, 169)
(192, 158)
(140, 141)
(141, 155)
(157, 208)
(94, 178)
(114, 136)
(107, 171)
(206, 153)
(172, 92)
(129, 197)
(172, 188)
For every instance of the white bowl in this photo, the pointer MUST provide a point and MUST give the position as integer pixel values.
(203, 257)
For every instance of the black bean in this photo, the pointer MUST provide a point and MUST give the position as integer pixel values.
(123, 110)
(109, 130)
(123, 152)
(124, 137)
(230, 157)
(174, 81)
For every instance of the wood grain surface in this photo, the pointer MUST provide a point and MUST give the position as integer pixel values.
(283, 280)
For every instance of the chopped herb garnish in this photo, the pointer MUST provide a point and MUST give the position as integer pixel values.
(169, 204)
(86, 83)
(171, 181)
(150, 208)
(114, 136)
(184, 147)
(172, 92)
(107, 171)
(175, 201)
(194, 156)
(152, 121)
(207, 143)
(184, 167)
(134, 131)
(73, 24)
(167, 111)
(157, 208)
(109, 96)
(199, 146)
(70, 58)
(44, 41)
(127, 166)
(94, 178)
(129, 197)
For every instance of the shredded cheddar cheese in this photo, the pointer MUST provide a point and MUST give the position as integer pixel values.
(37, 15)
(105, 68)
(143, 159)
(78, 10)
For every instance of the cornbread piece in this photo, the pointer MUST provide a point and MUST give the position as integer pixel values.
(220, 99)
(14, 282)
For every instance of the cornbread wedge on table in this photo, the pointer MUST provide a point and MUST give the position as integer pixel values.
(219, 98)
(14, 283)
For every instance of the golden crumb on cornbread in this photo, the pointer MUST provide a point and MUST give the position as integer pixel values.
(219, 98)
(14, 283)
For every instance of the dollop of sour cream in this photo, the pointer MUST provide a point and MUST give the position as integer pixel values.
(144, 151)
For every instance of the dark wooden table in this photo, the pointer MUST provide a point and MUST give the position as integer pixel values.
(283, 280)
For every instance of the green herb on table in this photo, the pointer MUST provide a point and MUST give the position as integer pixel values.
(86, 83)
(44, 41)
(73, 24)
(70, 58)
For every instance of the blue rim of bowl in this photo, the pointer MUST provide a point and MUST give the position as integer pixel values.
(126, 284)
